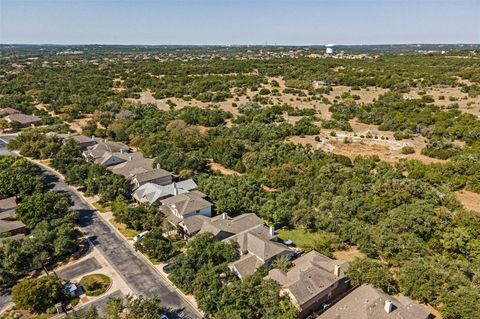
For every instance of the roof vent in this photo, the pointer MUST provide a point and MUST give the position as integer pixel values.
(336, 270)
(388, 306)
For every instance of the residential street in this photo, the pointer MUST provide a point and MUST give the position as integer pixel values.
(137, 273)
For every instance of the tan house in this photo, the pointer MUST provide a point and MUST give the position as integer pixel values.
(368, 302)
(314, 281)
(107, 153)
(140, 170)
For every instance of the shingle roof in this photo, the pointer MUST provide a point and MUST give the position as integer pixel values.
(7, 208)
(368, 302)
(151, 193)
(10, 225)
(133, 166)
(246, 265)
(151, 175)
(23, 118)
(186, 203)
(8, 110)
(312, 274)
(231, 226)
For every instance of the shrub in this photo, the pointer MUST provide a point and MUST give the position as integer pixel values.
(408, 150)
(95, 284)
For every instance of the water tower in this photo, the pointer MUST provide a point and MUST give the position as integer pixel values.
(329, 48)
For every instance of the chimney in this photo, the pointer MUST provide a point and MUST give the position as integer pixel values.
(336, 271)
(271, 231)
(388, 306)
(93, 137)
(224, 215)
(175, 189)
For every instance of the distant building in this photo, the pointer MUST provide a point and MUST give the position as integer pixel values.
(368, 302)
(23, 119)
(329, 48)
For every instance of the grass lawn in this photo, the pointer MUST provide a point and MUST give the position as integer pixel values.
(124, 230)
(95, 284)
(101, 208)
(321, 241)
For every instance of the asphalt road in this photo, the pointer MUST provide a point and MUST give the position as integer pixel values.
(137, 273)
(82, 267)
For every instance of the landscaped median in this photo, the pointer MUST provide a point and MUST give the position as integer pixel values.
(95, 284)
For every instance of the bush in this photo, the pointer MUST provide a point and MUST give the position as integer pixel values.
(95, 284)
(37, 295)
(408, 150)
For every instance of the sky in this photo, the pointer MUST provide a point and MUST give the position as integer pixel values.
(230, 22)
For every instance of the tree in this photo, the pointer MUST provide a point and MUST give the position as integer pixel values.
(461, 303)
(43, 206)
(144, 308)
(370, 271)
(37, 295)
(155, 245)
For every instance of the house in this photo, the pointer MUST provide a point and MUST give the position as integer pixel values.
(83, 140)
(23, 119)
(313, 281)
(259, 246)
(104, 150)
(8, 111)
(224, 226)
(141, 170)
(182, 206)
(151, 193)
(257, 243)
(157, 176)
(368, 302)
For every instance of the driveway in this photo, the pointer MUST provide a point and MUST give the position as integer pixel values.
(83, 267)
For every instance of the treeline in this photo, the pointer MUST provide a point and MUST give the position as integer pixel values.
(51, 234)
(66, 157)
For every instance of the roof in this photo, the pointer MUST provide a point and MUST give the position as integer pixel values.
(118, 156)
(186, 203)
(368, 302)
(230, 226)
(7, 208)
(246, 265)
(142, 177)
(188, 184)
(103, 146)
(259, 242)
(133, 166)
(151, 193)
(8, 204)
(23, 118)
(311, 275)
(83, 139)
(194, 224)
(10, 225)
(8, 110)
